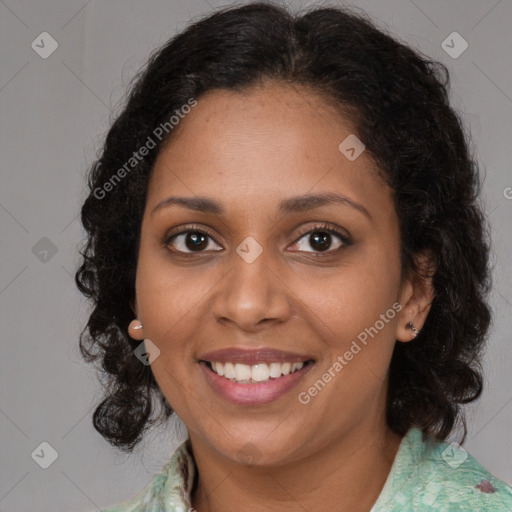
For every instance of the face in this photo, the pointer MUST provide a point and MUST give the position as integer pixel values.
(309, 278)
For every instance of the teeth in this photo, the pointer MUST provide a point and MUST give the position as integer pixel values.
(275, 370)
(218, 368)
(261, 372)
(229, 370)
(286, 368)
(242, 372)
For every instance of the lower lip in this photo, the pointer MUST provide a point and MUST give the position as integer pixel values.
(257, 393)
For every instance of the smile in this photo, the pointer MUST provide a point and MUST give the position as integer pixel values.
(253, 385)
(249, 374)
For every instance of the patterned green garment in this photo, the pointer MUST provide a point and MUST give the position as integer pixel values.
(426, 476)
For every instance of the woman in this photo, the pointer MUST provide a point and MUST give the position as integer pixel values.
(286, 249)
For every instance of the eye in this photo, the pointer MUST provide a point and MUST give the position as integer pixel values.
(193, 239)
(320, 238)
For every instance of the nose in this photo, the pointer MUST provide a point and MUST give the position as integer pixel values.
(252, 296)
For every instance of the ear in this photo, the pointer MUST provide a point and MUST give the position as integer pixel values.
(416, 296)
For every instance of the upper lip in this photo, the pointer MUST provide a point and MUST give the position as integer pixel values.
(253, 356)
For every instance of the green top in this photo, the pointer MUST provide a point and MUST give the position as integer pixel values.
(426, 476)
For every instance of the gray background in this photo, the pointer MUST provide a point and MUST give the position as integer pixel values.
(54, 113)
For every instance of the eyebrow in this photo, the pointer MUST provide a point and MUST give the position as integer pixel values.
(291, 205)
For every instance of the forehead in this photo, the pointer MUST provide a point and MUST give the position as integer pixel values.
(256, 147)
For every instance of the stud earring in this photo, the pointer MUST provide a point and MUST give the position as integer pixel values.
(135, 324)
(415, 331)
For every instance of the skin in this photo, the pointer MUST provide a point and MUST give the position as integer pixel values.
(249, 151)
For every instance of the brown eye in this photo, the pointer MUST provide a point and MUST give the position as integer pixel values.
(189, 241)
(320, 238)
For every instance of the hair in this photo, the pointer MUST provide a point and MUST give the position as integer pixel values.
(398, 100)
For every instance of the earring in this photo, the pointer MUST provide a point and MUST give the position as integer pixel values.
(415, 331)
(135, 324)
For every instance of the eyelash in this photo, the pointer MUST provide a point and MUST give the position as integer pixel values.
(323, 227)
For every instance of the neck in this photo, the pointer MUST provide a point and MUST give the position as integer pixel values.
(345, 475)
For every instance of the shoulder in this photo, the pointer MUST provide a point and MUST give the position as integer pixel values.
(430, 475)
(454, 477)
(169, 490)
(149, 499)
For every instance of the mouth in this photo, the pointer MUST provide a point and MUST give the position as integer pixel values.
(257, 373)
(254, 385)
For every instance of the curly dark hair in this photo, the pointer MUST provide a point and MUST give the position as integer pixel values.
(398, 101)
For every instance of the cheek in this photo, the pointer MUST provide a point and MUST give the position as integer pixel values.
(350, 298)
(172, 306)
(169, 297)
(353, 315)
